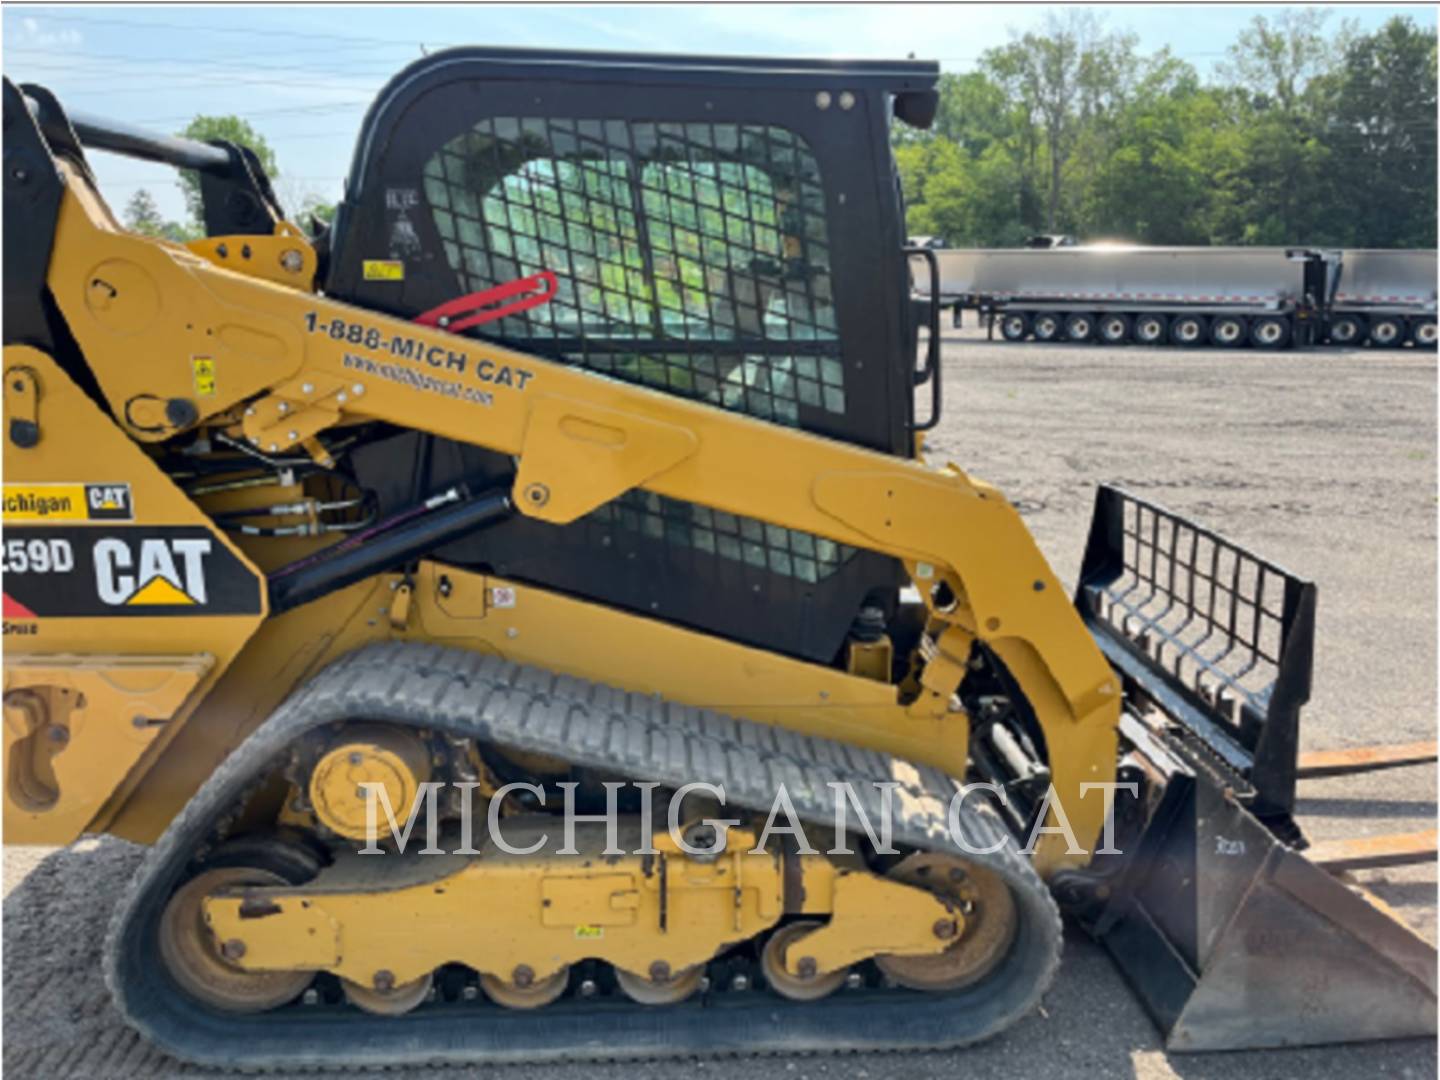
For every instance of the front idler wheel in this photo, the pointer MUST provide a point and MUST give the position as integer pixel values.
(807, 985)
(206, 968)
(982, 935)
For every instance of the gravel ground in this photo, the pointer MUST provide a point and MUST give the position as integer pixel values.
(1324, 461)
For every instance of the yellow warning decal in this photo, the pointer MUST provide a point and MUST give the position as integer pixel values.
(204, 376)
(68, 502)
(589, 932)
(159, 590)
(384, 270)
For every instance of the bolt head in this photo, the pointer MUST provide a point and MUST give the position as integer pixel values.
(292, 435)
(659, 971)
(341, 398)
(522, 976)
(355, 757)
(357, 389)
(807, 967)
(854, 981)
(944, 929)
(291, 261)
(233, 949)
(384, 980)
(307, 388)
(283, 408)
(588, 988)
(740, 982)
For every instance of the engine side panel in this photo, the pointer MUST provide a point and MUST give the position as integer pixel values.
(104, 559)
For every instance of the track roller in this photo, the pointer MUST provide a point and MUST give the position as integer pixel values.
(385, 998)
(662, 988)
(523, 990)
(796, 987)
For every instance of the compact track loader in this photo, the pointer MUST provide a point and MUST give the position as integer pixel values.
(575, 465)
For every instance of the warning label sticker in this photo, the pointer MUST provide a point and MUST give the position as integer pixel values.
(204, 376)
(68, 502)
(384, 270)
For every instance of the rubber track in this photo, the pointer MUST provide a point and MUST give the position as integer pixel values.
(637, 736)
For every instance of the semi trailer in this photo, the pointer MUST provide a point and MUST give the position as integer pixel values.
(1266, 297)
(1385, 297)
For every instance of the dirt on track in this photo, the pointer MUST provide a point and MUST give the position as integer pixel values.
(1323, 461)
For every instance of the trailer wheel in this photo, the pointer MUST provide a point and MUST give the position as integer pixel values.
(1046, 326)
(1079, 327)
(1347, 330)
(1188, 330)
(1114, 329)
(1386, 331)
(1422, 333)
(1227, 331)
(1015, 326)
(1151, 329)
(1270, 332)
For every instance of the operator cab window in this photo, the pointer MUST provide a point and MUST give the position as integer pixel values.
(691, 257)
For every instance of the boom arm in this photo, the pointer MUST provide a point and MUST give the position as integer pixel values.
(284, 364)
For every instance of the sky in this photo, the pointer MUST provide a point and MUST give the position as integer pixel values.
(303, 75)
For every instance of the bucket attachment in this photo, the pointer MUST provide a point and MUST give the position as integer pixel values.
(1230, 936)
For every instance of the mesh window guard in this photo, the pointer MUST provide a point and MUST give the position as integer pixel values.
(691, 258)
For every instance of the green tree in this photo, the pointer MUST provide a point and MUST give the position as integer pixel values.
(232, 129)
(1383, 135)
(142, 215)
(1309, 133)
(1280, 68)
(1064, 80)
(315, 207)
